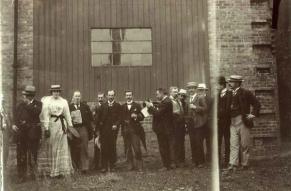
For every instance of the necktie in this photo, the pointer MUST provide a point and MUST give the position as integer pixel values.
(192, 98)
(180, 106)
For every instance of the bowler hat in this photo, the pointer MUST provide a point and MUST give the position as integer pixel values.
(56, 87)
(29, 90)
(235, 78)
(192, 84)
(221, 80)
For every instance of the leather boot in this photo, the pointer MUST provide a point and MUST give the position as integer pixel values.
(139, 164)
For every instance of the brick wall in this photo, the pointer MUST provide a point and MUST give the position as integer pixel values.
(283, 57)
(7, 19)
(240, 40)
(25, 43)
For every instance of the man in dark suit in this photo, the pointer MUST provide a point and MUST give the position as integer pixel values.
(132, 130)
(109, 125)
(28, 132)
(179, 126)
(183, 99)
(96, 115)
(241, 122)
(223, 117)
(207, 130)
(82, 119)
(163, 127)
(197, 120)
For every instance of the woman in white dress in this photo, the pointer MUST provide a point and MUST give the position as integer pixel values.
(56, 118)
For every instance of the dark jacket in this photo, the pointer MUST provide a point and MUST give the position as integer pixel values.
(86, 115)
(223, 108)
(246, 100)
(163, 116)
(27, 119)
(199, 116)
(109, 116)
(97, 115)
(127, 123)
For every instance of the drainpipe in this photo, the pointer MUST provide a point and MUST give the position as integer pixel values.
(275, 14)
(15, 55)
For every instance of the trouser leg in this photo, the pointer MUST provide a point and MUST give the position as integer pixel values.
(192, 144)
(180, 142)
(75, 150)
(114, 152)
(136, 145)
(128, 146)
(220, 136)
(226, 136)
(104, 151)
(207, 136)
(245, 144)
(22, 151)
(33, 146)
(96, 157)
(198, 142)
(164, 149)
(171, 147)
(83, 151)
(234, 144)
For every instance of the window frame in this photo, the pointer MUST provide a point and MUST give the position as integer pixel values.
(112, 65)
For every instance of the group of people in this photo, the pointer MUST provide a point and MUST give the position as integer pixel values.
(53, 135)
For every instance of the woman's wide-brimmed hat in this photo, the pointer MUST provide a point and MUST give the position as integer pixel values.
(56, 87)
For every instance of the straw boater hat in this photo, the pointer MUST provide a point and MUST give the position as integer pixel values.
(235, 78)
(202, 86)
(29, 90)
(56, 87)
(183, 92)
(192, 84)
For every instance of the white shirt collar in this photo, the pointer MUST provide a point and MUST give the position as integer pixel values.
(164, 98)
(111, 103)
(129, 102)
(236, 90)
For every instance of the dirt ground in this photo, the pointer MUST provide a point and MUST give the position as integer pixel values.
(272, 174)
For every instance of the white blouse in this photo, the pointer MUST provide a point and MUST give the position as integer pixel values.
(52, 106)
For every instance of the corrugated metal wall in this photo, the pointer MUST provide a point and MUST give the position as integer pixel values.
(62, 52)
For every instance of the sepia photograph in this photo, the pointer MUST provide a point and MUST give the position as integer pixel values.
(145, 95)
